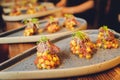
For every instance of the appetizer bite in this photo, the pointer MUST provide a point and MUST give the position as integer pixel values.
(106, 39)
(15, 11)
(35, 8)
(81, 45)
(26, 7)
(70, 22)
(31, 27)
(52, 25)
(47, 57)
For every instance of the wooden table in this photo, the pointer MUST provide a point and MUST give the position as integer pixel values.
(10, 50)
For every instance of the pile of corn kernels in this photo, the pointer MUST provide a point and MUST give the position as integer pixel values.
(47, 61)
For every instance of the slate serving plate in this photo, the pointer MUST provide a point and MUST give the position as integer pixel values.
(22, 66)
(16, 35)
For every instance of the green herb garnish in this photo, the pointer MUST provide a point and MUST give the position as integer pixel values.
(51, 19)
(33, 20)
(43, 39)
(105, 28)
(80, 34)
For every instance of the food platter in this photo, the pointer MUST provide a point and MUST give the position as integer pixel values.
(7, 4)
(22, 66)
(16, 35)
(50, 8)
(25, 16)
(48, 5)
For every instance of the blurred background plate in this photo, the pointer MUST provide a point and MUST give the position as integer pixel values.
(48, 5)
(7, 3)
(25, 16)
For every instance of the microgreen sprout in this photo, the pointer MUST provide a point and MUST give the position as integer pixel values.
(33, 20)
(80, 34)
(43, 39)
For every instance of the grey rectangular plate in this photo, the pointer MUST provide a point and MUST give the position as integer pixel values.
(22, 66)
(16, 36)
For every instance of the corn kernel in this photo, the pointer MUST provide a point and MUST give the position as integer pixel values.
(49, 57)
(99, 44)
(72, 28)
(49, 29)
(39, 54)
(113, 45)
(88, 49)
(43, 66)
(77, 52)
(73, 43)
(47, 62)
(54, 59)
(73, 48)
(77, 47)
(116, 46)
(88, 56)
(31, 30)
(57, 58)
(105, 46)
(80, 55)
(45, 53)
(52, 63)
(74, 51)
(41, 60)
(38, 65)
